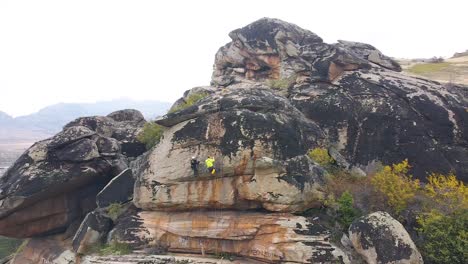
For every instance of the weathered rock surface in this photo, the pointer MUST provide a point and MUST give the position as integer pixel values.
(368, 110)
(273, 49)
(162, 259)
(118, 190)
(259, 141)
(370, 53)
(46, 250)
(266, 237)
(55, 182)
(92, 230)
(381, 239)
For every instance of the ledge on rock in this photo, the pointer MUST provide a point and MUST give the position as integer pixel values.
(266, 237)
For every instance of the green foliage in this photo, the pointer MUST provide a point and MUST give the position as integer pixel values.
(396, 185)
(9, 246)
(189, 101)
(151, 134)
(114, 210)
(225, 255)
(321, 156)
(346, 212)
(428, 67)
(115, 248)
(281, 84)
(445, 237)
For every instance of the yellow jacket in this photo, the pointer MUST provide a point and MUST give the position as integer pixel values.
(209, 162)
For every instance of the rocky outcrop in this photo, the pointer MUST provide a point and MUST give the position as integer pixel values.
(270, 238)
(277, 92)
(273, 49)
(368, 110)
(55, 182)
(259, 141)
(381, 239)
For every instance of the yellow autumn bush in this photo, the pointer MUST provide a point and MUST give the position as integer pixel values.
(447, 191)
(396, 185)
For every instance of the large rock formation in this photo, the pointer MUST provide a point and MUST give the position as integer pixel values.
(55, 182)
(369, 111)
(277, 91)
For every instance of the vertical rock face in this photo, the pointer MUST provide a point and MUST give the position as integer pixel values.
(381, 239)
(55, 182)
(258, 140)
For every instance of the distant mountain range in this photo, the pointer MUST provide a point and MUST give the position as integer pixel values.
(51, 119)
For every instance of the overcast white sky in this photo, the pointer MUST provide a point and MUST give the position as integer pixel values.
(90, 50)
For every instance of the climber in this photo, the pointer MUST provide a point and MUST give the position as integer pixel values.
(209, 162)
(194, 165)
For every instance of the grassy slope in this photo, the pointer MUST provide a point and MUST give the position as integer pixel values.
(8, 246)
(453, 70)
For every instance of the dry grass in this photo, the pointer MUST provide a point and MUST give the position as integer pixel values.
(454, 70)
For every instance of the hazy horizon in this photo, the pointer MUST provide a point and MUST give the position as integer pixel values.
(114, 100)
(88, 51)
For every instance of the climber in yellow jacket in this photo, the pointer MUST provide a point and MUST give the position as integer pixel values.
(209, 162)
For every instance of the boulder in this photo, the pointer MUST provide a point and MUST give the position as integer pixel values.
(381, 239)
(259, 142)
(370, 53)
(55, 182)
(123, 125)
(270, 238)
(273, 49)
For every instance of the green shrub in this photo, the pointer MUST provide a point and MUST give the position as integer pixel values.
(444, 238)
(225, 255)
(114, 210)
(115, 248)
(346, 213)
(281, 84)
(321, 156)
(151, 134)
(189, 101)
